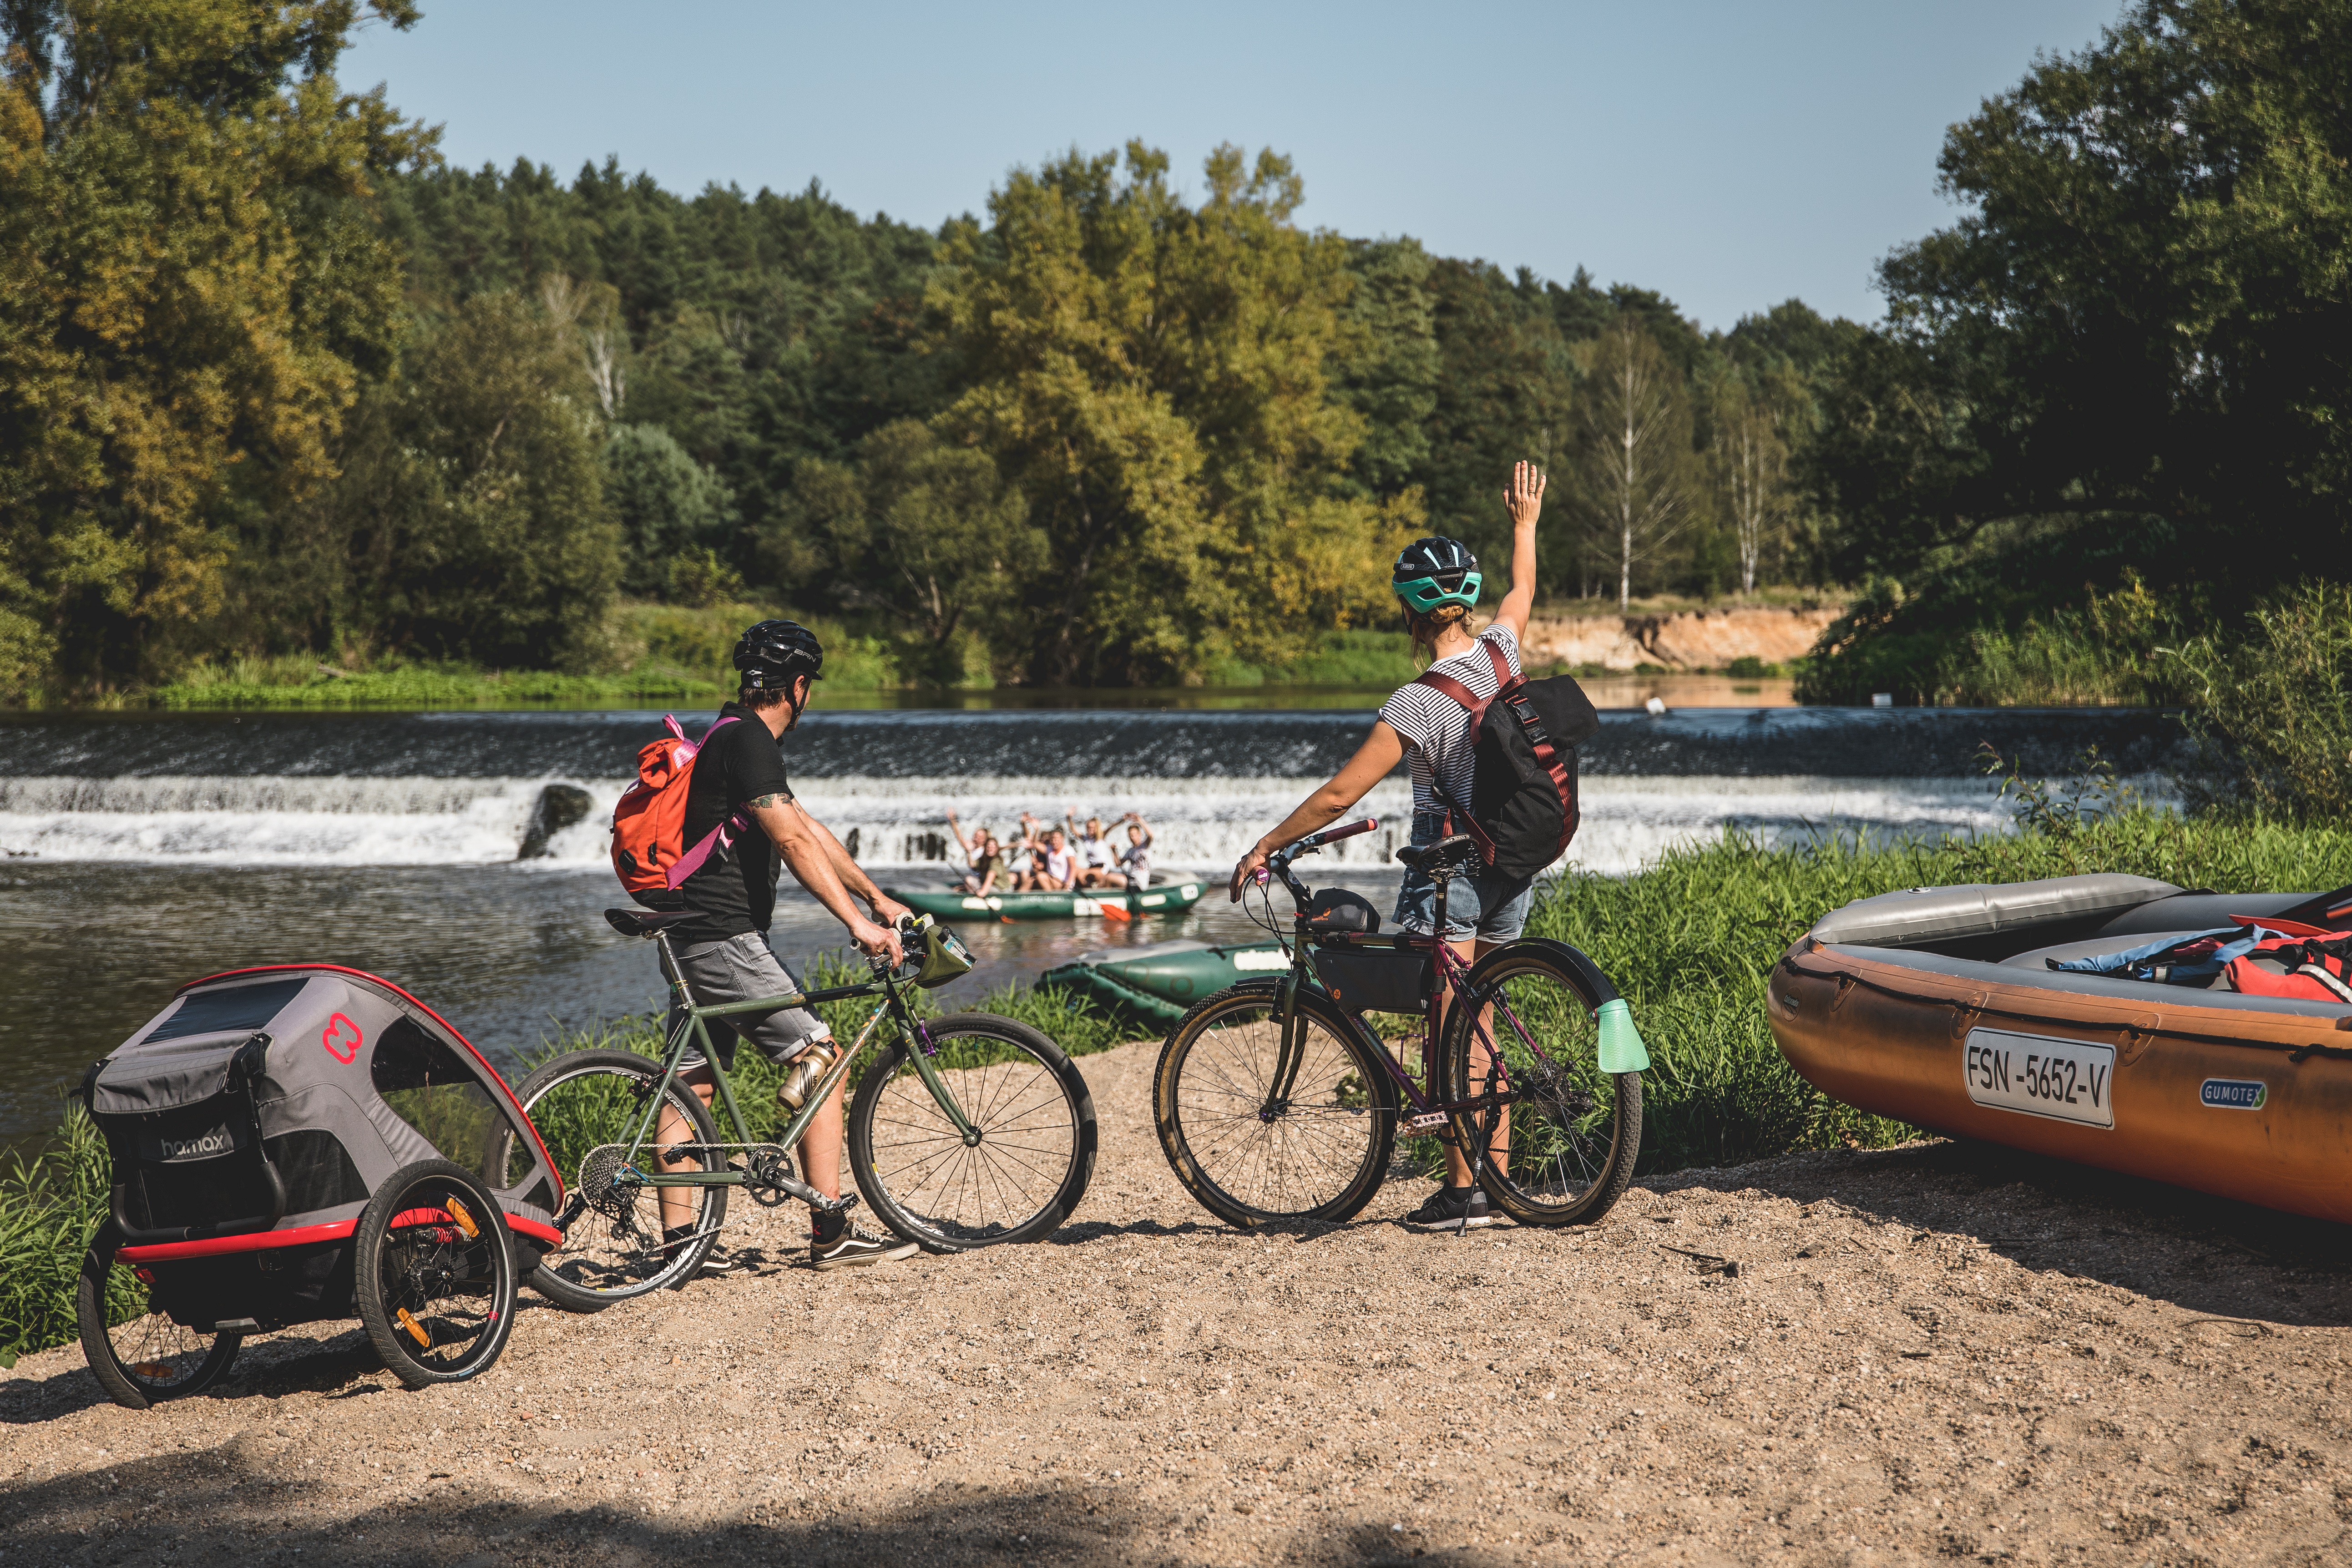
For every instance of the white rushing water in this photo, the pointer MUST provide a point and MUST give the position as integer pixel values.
(1200, 823)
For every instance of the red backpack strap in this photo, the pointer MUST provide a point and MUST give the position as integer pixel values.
(1477, 707)
(1457, 690)
(1503, 676)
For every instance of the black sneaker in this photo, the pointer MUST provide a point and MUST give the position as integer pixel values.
(851, 1250)
(716, 1263)
(1447, 1206)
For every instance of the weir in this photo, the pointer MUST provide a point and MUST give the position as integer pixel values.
(424, 789)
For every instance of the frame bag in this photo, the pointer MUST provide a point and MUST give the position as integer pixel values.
(1522, 773)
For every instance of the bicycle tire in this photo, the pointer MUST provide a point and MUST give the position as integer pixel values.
(589, 1276)
(1229, 1044)
(434, 1274)
(1572, 1147)
(937, 1193)
(153, 1340)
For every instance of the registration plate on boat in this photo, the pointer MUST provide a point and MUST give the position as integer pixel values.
(2071, 1080)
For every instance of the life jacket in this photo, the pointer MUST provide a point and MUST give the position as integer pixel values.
(2310, 963)
(2268, 957)
(649, 851)
(1523, 765)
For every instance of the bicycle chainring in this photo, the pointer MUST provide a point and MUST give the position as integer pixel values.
(770, 1165)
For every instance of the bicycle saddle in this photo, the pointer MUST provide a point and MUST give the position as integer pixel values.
(645, 922)
(1451, 853)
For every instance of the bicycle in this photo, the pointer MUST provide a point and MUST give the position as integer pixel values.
(951, 1119)
(1275, 1102)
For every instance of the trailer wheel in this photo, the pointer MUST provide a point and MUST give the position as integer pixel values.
(146, 1357)
(435, 1274)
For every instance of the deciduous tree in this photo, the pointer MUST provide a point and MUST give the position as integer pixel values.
(1155, 380)
(191, 287)
(1633, 474)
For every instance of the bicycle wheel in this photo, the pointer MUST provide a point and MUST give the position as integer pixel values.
(1021, 1172)
(434, 1274)
(144, 1357)
(1255, 1151)
(587, 1107)
(1573, 1130)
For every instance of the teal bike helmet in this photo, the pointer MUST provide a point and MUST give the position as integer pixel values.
(1436, 571)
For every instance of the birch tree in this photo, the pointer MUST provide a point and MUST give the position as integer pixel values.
(1632, 466)
(1751, 469)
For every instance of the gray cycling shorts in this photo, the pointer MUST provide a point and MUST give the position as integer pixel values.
(737, 970)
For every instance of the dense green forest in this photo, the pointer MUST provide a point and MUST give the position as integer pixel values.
(361, 406)
(274, 379)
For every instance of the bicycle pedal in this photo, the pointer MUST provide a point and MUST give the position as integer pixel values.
(1427, 1122)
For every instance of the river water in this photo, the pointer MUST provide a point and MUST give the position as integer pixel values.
(140, 851)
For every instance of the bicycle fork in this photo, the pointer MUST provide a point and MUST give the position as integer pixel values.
(1291, 1053)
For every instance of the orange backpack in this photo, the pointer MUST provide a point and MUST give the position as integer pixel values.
(649, 852)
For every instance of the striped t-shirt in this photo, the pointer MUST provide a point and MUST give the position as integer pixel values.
(1436, 729)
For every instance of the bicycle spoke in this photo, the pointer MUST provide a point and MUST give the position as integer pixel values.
(1256, 1156)
(925, 1170)
(1568, 1142)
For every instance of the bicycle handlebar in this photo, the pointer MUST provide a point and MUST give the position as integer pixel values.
(1331, 835)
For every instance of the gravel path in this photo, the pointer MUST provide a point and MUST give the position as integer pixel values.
(1927, 1354)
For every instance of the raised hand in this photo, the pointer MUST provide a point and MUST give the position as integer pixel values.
(1525, 497)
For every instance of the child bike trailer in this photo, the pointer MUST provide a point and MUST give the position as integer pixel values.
(301, 1144)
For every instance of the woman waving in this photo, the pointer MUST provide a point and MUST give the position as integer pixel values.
(1437, 579)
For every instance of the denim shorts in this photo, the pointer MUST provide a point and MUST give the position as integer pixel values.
(1485, 904)
(737, 970)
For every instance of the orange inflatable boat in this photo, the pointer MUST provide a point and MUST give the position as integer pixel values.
(1944, 1006)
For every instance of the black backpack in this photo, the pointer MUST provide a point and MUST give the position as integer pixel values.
(1522, 771)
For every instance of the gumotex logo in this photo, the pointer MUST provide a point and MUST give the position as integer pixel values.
(2234, 1093)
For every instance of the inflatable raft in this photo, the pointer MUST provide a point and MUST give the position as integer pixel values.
(1941, 1006)
(949, 904)
(1157, 985)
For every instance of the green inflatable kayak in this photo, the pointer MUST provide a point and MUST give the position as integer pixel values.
(947, 904)
(1160, 984)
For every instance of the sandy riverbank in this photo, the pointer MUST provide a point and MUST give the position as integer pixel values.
(1923, 1355)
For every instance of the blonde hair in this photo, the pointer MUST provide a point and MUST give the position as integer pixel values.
(1425, 626)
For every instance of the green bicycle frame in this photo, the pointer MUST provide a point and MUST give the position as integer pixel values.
(694, 1027)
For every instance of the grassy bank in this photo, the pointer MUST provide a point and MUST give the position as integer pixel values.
(653, 653)
(1690, 940)
(647, 653)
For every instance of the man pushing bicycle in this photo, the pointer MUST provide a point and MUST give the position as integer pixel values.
(739, 783)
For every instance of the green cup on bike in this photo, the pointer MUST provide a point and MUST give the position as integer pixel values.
(1621, 1043)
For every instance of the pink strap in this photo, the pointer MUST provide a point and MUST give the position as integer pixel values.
(721, 837)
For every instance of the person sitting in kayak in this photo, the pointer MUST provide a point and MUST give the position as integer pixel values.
(1134, 862)
(1023, 856)
(1097, 862)
(1437, 579)
(1056, 865)
(982, 855)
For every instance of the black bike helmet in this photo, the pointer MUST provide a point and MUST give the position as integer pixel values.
(773, 655)
(1436, 571)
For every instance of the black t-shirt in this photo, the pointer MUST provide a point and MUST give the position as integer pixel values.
(733, 892)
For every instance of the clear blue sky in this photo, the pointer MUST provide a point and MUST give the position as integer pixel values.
(1729, 154)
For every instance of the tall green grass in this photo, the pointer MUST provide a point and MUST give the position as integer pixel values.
(50, 1205)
